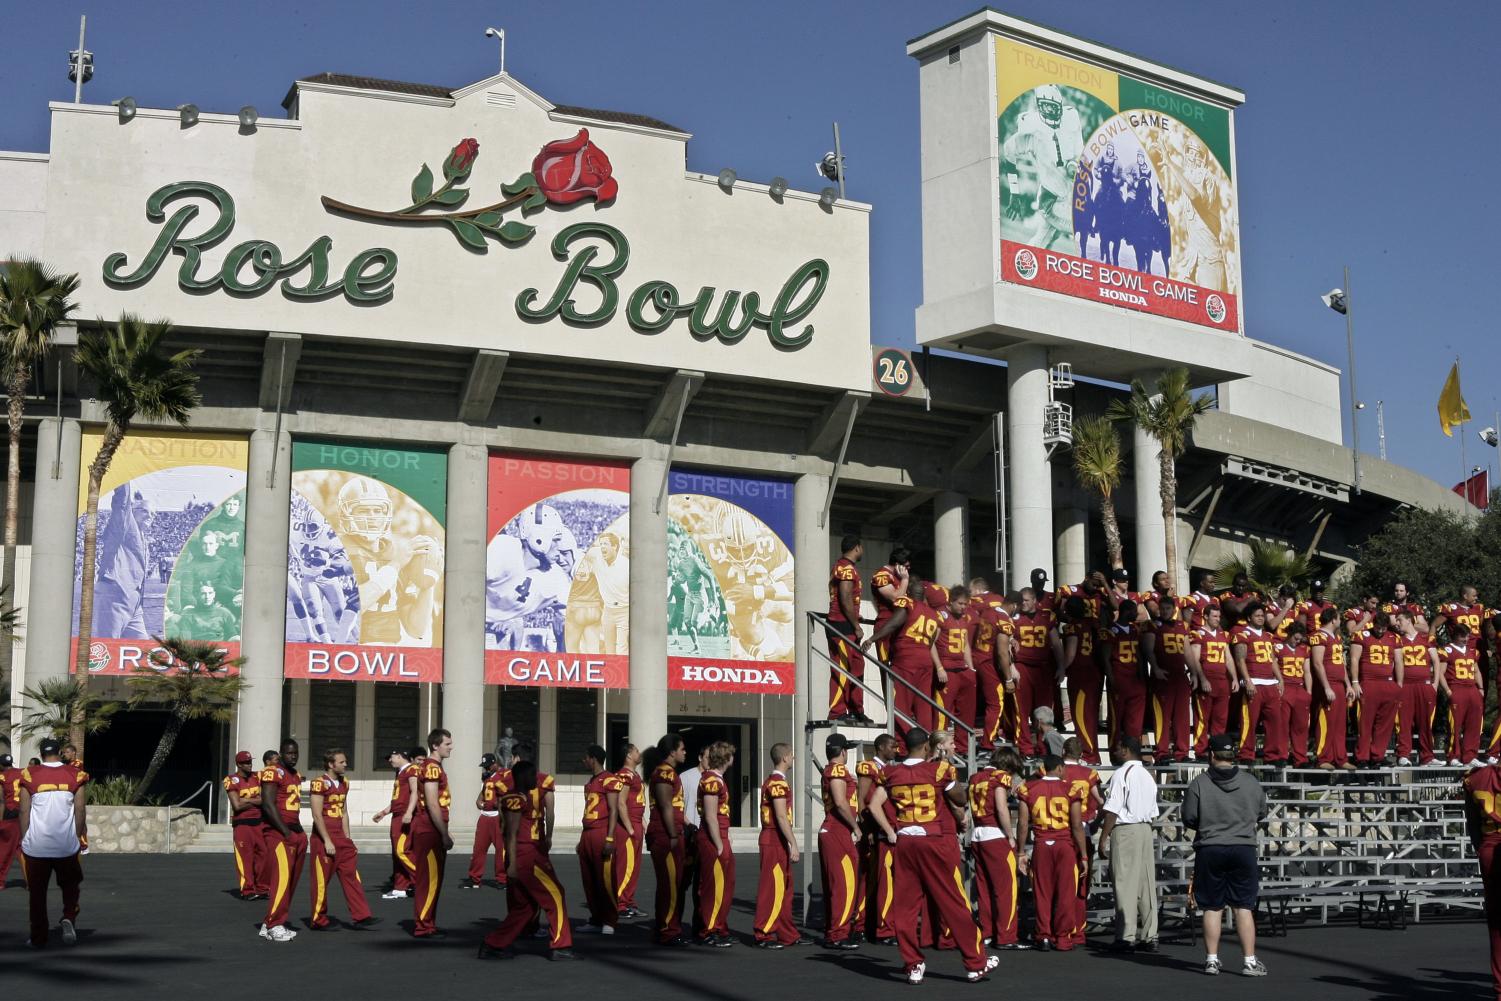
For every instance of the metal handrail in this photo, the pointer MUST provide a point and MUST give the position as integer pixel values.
(167, 809)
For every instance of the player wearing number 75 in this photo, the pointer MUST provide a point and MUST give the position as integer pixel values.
(928, 873)
(1052, 811)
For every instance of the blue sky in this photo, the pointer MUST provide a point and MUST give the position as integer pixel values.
(1359, 143)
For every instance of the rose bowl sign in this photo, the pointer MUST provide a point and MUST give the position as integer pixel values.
(563, 173)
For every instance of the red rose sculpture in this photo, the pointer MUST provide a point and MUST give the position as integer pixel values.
(461, 159)
(571, 170)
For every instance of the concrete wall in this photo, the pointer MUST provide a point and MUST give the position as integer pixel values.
(23, 204)
(1289, 390)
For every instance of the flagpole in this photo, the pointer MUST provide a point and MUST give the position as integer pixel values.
(1464, 470)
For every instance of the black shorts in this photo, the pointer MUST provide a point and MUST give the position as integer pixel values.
(1226, 876)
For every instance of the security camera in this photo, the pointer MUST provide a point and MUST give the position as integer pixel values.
(1335, 300)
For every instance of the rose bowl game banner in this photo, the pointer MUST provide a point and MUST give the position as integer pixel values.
(171, 546)
(729, 575)
(558, 573)
(1115, 190)
(365, 562)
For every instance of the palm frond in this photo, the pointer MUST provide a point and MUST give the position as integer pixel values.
(53, 702)
(34, 299)
(1097, 454)
(133, 377)
(194, 679)
(1267, 565)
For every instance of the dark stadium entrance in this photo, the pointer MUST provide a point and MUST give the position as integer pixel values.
(125, 748)
(744, 776)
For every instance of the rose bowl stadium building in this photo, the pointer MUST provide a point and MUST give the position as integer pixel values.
(513, 425)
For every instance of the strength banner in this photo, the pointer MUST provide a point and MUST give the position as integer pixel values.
(365, 562)
(729, 576)
(558, 573)
(171, 546)
(1116, 190)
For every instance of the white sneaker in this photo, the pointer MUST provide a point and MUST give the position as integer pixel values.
(1477, 763)
(1254, 968)
(916, 972)
(281, 933)
(394, 895)
(1212, 967)
(1403, 763)
(1454, 763)
(265, 933)
(607, 930)
(70, 934)
(975, 976)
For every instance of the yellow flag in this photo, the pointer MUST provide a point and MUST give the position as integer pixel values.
(1451, 405)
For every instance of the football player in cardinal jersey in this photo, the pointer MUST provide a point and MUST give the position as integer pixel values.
(397, 578)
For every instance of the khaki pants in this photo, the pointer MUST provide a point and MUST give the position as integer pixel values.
(1133, 873)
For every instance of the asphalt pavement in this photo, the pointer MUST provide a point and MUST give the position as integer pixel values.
(157, 926)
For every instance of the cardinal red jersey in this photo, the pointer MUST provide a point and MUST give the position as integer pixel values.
(871, 769)
(431, 770)
(597, 799)
(1470, 615)
(1085, 631)
(1417, 659)
(1378, 656)
(1233, 609)
(1394, 608)
(10, 788)
(1082, 782)
(1048, 799)
(237, 787)
(281, 789)
(843, 570)
(987, 619)
(1213, 646)
(1334, 654)
(1032, 648)
(1261, 651)
(1122, 648)
(1461, 665)
(1292, 661)
(335, 791)
(531, 810)
(1170, 647)
(834, 771)
(956, 634)
(884, 577)
(666, 775)
(911, 644)
(1310, 612)
(1483, 789)
(401, 791)
(982, 788)
(916, 790)
(776, 787)
(1092, 601)
(489, 792)
(711, 783)
(1285, 623)
(1194, 607)
(633, 795)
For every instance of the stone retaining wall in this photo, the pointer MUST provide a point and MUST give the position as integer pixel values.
(142, 828)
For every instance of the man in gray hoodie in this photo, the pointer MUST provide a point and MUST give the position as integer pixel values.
(1224, 805)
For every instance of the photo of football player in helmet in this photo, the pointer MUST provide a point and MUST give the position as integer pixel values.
(1042, 137)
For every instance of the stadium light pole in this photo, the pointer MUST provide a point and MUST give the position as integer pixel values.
(1339, 301)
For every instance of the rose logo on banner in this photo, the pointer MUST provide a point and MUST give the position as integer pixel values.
(98, 657)
(1026, 264)
(1214, 308)
(564, 172)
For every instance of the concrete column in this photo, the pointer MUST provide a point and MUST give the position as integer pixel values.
(648, 642)
(951, 538)
(1029, 483)
(264, 613)
(1073, 545)
(1151, 536)
(810, 584)
(364, 734)
(47, 619)
(463, 623)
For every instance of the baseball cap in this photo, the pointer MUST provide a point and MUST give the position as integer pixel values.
(1317, 585)
(1119, 573)
(6, 761)
(837, 742)
(398, 750)
(488, 760)
(243, 758)
(50, 746)
(1039, 574)
(1222, 743)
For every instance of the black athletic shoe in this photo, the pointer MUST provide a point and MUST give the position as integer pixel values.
(369, 922)
(435, 936)
(769, 943)
(1016, 947)
(886, 941)
(490, 952)
(722, 942)
(1046, 945)
(469, 884)
(562, 955)
(844, 946)
(802, 941)
(1146, 947)
(1121, 945)
(675, 943)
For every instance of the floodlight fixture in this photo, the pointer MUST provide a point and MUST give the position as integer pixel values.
(187, 114)
(248, 117)
(727, 179)
(778, 187)
(827, 197)
(1335, 300)
(126, 107)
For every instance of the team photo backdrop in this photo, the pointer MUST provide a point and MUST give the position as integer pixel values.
(729, 575)
(171, 546)
(557, 573)
(1115, 190)
(365, 561)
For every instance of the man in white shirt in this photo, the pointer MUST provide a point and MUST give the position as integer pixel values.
(1128, 841)
(690, 780)
(54, 828)
(611, 570)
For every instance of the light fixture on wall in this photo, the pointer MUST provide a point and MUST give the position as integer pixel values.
(727, 179)
(778, 187)
(248, 118)
(827, 197)
(126, 106)
(187, 114)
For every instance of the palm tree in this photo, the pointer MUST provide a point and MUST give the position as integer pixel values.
(193, 679)
(1167, 413)
(59, 703)
(1269, 566)
(1097, 465)
(134, 379)
(34, 299)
